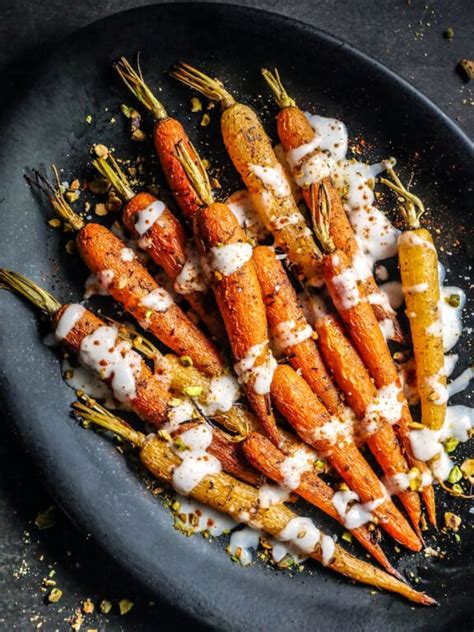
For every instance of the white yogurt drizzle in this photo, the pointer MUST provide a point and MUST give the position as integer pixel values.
(357, 514)
(158, 300)
(274, 178)
(108, 358)
(242, 206)
(337, 430)
(269, 495)
(191, 278)
(401, 481)
(243, 542)
(179, 414)
(196, 462)
(288, 334)
(387, 405)
(148, 216)
(69, 318)
(229, 258)
(223, 392)
(98, 284)
(194, 517)
(346, 286)
(428, 444)
(127, 254)
(261, 374)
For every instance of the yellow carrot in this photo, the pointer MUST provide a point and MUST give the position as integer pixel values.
(420, 282)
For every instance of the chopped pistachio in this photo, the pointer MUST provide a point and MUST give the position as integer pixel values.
(163, 434)
(347, 536)
(319, 465)
(467, 68)
(72, 196)
(101, 151)
(148, 314)
(206, 119)
(87, 606)
(138, 135)
(210, 105)
(186, 360)
(192, 391)
(179, 444)
(75, 184)
(451, 444)
(196, 105)
(205, 163)
(89, 119)
(126, 110)
(175, 506)
(55, 595)
(113, 204)
(415, 479)
(105, 606)
(454, 300)
(457, 488)
(125, 605)
(452, 521)
(455, 475)
(448, 33)
(54, 223)
(457, 537)
(46, 519)
(343, 487)
(215, 184)
(100, 210)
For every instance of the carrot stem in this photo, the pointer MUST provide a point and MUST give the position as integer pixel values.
(196, 173)
(134, 81)
(112, 172)
(282, 99)
(213, 89)
(42, 299)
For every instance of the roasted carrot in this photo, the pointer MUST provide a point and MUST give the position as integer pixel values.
(236, 288)
(237, 499)
(73, 324)
(162, 236)
(354, 381)
(128, 282)
(299, 405)
(420, 282)
(300, 143)
(264, 456)
(168, 132)
(290, 328)
(348, 295)
(250, 150)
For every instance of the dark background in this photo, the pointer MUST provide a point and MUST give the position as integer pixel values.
(405, 35)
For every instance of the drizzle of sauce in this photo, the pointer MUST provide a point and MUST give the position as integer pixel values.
(196, 462)
(148, 216)
(229, 258)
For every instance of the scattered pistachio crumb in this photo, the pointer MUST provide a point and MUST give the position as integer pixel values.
(205, 163)
(179, 444)
(105, 606)
(467, 68)
(452, 521)
(192, 391)
(87, 606)
(100, 210)
(196, 105)
(347, 536)
(126, 110)
(455, 475)
(71, 247)
(467, 468)
(186, 360)
(451, 444)
(206, 119)
(125, 605)
(55, 595)
(174, 401)
(46, 519)
(89, 119)
(54, 223)
(448, 33)
(138, 135)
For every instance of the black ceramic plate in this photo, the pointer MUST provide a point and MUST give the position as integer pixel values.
(93, 483)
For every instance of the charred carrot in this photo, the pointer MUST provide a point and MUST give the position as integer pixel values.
(290, 328)
(354, 381)
(420, 282)
(264, 456)
(309, 167)
(350, 300)
(98, 348)
(237, 291)
(121, 275)
(162, 236)
(168, 132)
(228, 495)
(299, 405)
(250, 150)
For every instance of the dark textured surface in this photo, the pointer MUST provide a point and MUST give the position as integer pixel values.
(364, 24)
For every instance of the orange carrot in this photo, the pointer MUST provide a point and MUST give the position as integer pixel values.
(235, 284)
(303, 410)
(263, 455)
(353, 379)
(350, 300)
(295, 131)
(167, 133)
(289, 326)
(251, 152)
(163, 237)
